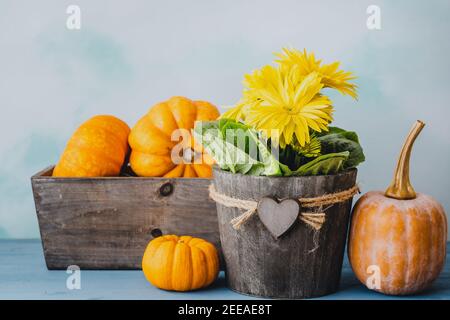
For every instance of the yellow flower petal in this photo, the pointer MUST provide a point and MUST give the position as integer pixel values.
(332, 77)
(287, 97)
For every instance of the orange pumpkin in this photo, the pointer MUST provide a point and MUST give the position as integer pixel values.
(97, 148)
(154, 147)
(401, 232)
(180, 263)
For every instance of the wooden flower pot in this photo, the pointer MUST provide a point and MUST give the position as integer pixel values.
(303, 263)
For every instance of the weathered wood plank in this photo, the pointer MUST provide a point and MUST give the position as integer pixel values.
(106, 223)
(292, 266)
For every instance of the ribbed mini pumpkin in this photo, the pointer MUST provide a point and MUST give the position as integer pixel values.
(180, 263)
(97, 148)
(401, 232)
(152, 144)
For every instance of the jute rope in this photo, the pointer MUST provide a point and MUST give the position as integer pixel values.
(314, 219)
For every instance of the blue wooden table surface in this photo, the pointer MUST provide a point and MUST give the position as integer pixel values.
(23, 275)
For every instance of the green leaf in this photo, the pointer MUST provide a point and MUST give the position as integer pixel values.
(271, 165)
(326, 164)
(285, 170)
(239, 148)
(236, 147)
(226, 155)
(339, 140)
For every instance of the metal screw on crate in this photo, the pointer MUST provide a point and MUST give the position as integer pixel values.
(166, 189)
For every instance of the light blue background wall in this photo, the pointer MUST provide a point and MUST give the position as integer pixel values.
(130, 54)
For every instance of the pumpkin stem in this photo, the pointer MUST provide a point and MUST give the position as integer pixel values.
(401, 187)
(156, 233)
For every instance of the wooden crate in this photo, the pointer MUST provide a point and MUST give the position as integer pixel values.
(106, 223)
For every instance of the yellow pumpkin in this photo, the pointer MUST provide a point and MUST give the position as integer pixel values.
(153, 144)
(181, 263)
(400, 232)
(97, 148)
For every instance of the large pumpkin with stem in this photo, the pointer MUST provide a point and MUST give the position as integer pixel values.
(181, 263)
(160, 149)
(400, 232)
(97, 148)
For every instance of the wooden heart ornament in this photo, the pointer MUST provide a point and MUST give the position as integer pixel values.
(278, 217)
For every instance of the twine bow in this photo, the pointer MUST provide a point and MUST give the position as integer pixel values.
(314, 219)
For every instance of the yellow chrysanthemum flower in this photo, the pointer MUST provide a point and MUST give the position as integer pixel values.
(286, 98)
(332, 77)
(285, 102)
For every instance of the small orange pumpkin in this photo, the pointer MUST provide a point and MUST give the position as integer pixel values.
(180, 263)
(402, 233)
(97, 148)
(152, 144)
